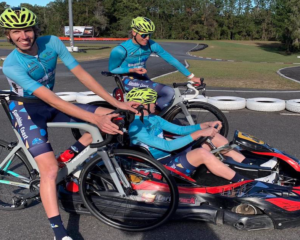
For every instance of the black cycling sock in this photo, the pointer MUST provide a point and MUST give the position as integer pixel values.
(77, 147)
(58, 227)
(239, 178)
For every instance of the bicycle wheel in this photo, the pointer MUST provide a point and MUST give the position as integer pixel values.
(76, 132)
(200, 112)
(15, 177)
(151, 201)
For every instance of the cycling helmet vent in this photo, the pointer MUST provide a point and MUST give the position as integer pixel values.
(142, 95)
(17, 18)
(142, 25)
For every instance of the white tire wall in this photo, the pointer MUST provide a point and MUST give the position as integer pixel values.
(227, 102)
(67, 96)
(293, 105)
(265, 104)
(87, 97)
(199, 98)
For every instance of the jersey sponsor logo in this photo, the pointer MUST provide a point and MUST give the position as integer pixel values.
(37, 141)
(136, 84)
(33, 69)
(20, 124)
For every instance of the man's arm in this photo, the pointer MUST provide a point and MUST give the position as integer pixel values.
(155, 47)
(88, 81)
(116, 58)
(103, 122)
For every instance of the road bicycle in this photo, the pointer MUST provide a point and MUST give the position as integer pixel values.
(109, 179)
(185, 109)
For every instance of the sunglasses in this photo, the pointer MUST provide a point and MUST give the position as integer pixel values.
(146, 35)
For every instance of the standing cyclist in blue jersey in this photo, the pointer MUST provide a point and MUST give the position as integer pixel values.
(129, 59)
(30, 70)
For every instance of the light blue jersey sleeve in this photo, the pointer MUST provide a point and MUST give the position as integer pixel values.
(63, 53)
(16, 73)
(176, 129)
(155, 47)
(139, 133)
(117, 56)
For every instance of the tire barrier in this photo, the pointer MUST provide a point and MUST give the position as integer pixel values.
(265, 104)
(67, 96)
(293, 105)
(199, 98)
(227, 102)
(222, 102)
(87, 97)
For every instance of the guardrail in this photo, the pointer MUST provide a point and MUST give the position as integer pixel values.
(93, 39)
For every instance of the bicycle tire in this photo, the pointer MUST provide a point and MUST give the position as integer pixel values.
(76, 132)
(21, 166)
(201, 112)
(142, 209)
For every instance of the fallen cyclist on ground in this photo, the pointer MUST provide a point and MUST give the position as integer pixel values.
(30, 70)
(148, 132)
(130, 57)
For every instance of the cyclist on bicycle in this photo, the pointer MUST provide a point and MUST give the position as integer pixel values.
(149, 134)
(129, 59)
(30, 70)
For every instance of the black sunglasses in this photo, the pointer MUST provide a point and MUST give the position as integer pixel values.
(146, 35)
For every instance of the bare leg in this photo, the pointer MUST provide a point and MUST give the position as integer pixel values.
(48, 167)
(203, 156)
(219, 141)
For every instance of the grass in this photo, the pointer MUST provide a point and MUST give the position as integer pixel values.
(92, 52)
(253, 51)
(236, 75)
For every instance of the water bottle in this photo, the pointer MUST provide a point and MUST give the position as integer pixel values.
(65, 157)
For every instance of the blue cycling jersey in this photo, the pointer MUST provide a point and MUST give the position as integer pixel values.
(130, 55)
(26, 73)
(150, 135)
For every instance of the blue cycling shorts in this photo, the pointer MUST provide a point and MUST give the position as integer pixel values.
(179, 161)
(30, 120)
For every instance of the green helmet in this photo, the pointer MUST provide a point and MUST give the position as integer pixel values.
(142, 95)
(17, 18)
(142, 25)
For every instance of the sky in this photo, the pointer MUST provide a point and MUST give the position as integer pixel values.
(16, 3)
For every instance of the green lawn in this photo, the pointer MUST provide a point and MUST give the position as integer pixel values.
(253, 51)
(236, 75)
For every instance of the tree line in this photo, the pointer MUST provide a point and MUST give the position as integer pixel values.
(277, 20)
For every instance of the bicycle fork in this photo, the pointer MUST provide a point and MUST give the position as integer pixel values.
(116, 174)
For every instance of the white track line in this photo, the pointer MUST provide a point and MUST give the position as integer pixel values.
(278, 72)
(290, 114)
(252, 91)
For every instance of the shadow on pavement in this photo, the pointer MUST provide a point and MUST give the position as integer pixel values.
(185, 229)
(73, 226)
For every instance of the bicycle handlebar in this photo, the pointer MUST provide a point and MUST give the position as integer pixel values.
(125, 118)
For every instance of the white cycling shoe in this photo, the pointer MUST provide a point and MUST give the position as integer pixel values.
(272, 178)
(65, 238)
(271, 163)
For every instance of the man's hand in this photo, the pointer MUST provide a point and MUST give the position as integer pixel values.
(214, 123)
(207, 132)
(105, 124)
(128, 106)
(138, 70)
(196, 80)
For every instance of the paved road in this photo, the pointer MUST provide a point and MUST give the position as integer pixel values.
(291, 72)
(278, 130)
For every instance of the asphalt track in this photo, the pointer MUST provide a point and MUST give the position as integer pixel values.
(278, 130)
